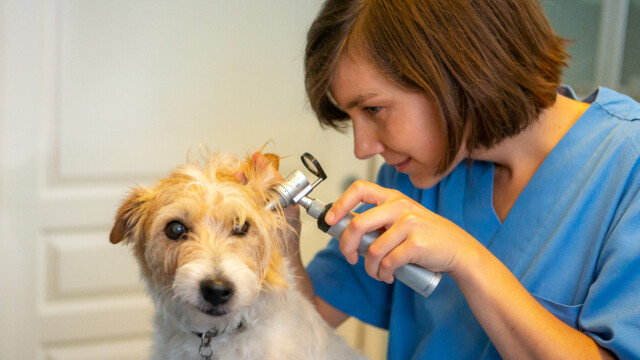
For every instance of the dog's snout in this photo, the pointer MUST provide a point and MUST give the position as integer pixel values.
(216, 291)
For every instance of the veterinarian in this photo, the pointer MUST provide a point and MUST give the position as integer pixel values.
(526, 197)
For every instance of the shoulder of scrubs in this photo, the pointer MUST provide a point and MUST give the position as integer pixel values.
(620, 106)
(611, 311)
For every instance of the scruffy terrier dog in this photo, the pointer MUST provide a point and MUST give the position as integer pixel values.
(212, 259)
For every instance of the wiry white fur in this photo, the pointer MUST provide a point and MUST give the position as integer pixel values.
(282, 326)
(279, 322)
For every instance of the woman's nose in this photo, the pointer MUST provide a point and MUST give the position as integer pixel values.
(365, 140)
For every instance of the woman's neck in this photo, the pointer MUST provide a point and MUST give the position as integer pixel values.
(517, 159)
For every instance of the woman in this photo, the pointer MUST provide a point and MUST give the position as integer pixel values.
(525, 197)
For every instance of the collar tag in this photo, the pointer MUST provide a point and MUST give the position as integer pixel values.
(205, 350)
(205, 346)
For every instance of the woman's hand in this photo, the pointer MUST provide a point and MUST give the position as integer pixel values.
(410, 232)
(516, 323)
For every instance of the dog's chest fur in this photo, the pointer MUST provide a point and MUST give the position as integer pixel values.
(288, 328)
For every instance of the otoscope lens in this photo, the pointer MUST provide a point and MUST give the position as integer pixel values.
(313, 165)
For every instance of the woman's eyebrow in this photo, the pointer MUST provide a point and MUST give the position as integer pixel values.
(359, 100)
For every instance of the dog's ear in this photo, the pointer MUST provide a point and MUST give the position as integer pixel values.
(272, 160)
(265, 164)
(129, 215)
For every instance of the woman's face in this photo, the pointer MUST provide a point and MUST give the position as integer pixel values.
(400, 125)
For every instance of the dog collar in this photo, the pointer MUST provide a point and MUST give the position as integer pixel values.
(215, 332)
(205, 349)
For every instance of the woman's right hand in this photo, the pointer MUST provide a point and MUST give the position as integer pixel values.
(412, 233)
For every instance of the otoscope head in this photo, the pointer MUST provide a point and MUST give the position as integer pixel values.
(296, 186)
(275, 200)
(289, 190)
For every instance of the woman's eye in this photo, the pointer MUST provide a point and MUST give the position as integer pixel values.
(372, 109)
(175, 230)
(240, 229)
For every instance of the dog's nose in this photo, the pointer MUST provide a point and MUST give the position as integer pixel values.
(216, 291)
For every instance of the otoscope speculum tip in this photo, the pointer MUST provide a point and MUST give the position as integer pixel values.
(274, 200)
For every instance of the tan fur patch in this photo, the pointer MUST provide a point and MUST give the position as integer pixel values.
(209, 201)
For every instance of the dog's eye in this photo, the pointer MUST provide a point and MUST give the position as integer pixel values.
(175, 230)
(240, 229)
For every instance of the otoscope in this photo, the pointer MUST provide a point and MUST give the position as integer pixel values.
(294, 190)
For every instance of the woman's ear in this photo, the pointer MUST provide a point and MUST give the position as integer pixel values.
(129, 216)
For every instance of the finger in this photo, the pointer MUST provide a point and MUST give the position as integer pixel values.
(359, 191)
(379, 217)
(403, 254)
(384, 216)
(380, 248)
(292, 216)
(397, 234)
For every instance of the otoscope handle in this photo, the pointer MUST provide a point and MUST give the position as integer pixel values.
(418, 278)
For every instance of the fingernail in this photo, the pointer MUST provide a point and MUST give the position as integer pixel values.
(329, 217)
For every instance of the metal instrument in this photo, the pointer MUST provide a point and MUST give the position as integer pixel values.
(294, 190)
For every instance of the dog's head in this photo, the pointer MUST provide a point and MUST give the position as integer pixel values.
(204, 242)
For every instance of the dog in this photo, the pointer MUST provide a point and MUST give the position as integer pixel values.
(213, 260)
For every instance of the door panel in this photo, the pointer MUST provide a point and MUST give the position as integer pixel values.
(100, 95)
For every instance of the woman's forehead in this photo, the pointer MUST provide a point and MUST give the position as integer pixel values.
(355, 81)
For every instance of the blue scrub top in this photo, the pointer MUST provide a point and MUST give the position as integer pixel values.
(571, 239)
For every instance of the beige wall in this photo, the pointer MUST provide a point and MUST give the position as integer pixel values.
(98, 95)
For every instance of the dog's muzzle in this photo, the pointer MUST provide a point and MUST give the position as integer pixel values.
(216, 291)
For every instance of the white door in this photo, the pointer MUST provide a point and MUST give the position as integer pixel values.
(98, 95)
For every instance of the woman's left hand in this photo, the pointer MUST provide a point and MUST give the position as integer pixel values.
(410, 232)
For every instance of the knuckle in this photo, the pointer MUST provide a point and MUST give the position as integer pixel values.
(375, 252)
(344, 247)
(369, 267)
(403, 203)
(386, 264)
(416, 243)
(358, 185)
(411, 219)
(356, 224)
(408, 203)
(397, 193)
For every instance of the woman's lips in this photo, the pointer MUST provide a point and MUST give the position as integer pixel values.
(402, 165)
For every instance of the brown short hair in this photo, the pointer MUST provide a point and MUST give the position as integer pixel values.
(490, 66)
